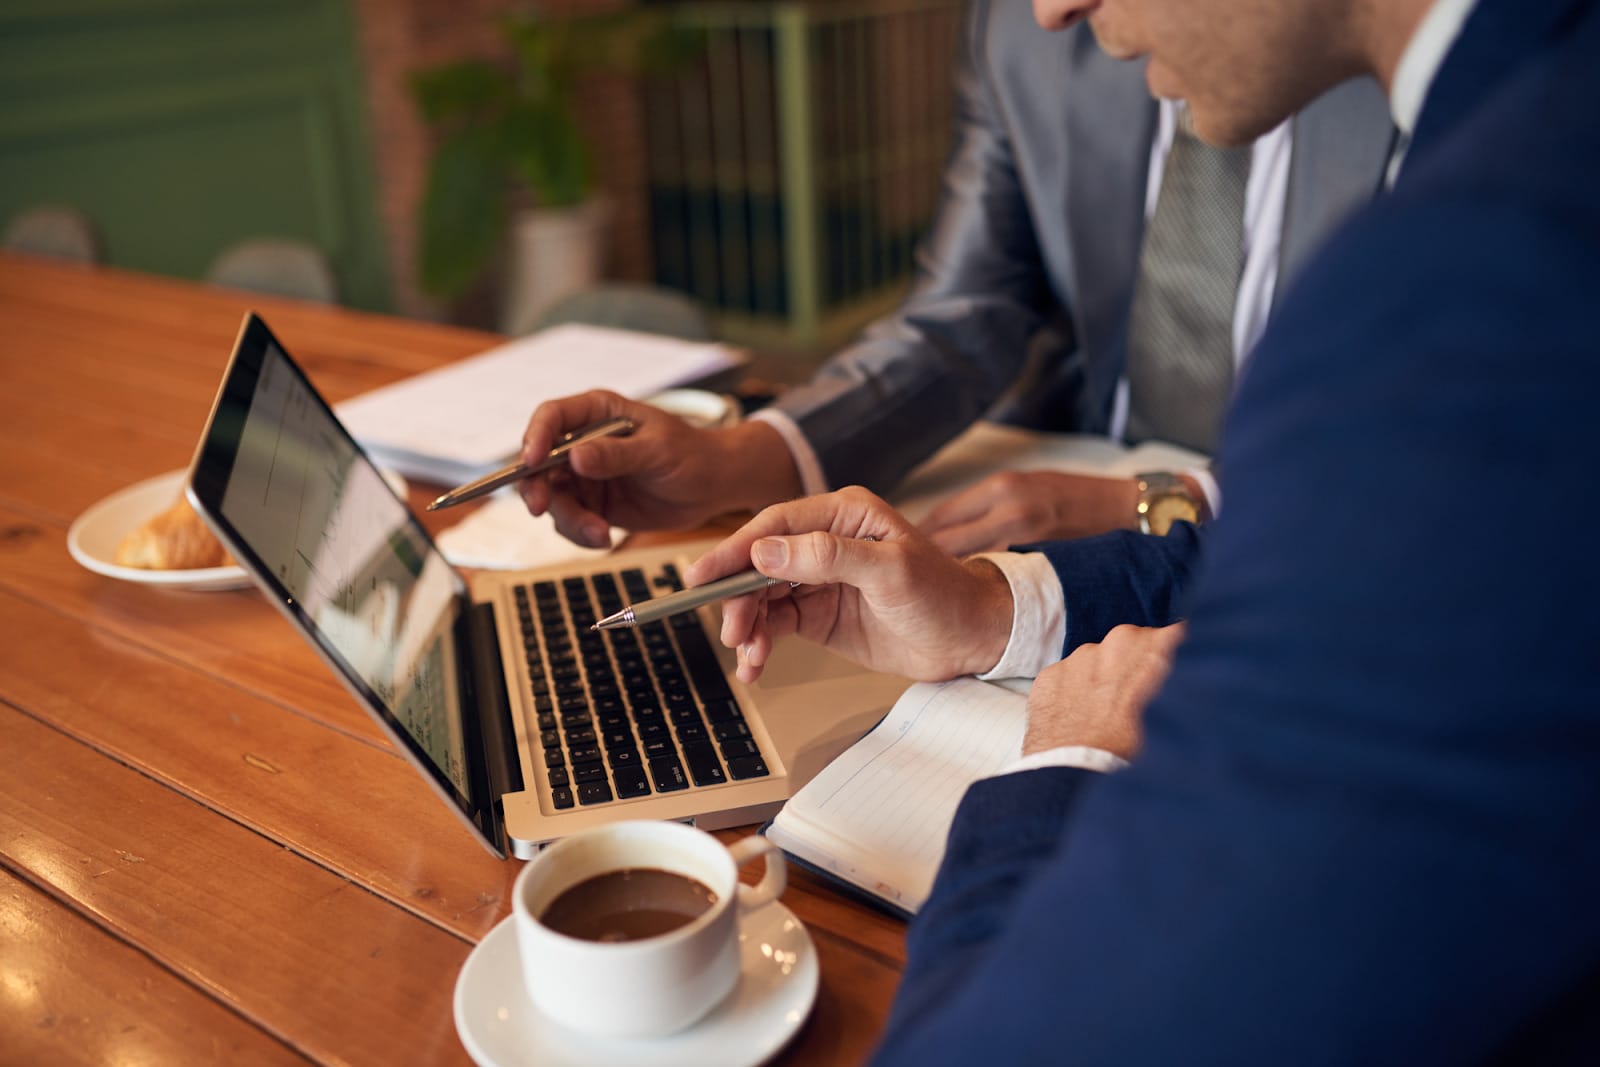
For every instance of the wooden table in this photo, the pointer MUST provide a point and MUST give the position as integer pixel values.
(191, 867)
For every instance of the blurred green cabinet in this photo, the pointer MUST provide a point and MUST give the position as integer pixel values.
(182, 126)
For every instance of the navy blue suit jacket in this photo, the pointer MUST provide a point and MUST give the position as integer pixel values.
(1364, 824)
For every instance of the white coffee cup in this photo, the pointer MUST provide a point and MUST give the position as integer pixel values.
(651, 986)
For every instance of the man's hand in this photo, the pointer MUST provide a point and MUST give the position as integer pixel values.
(1017, 507)
(1096, 696)
(665, 475)
(872, 588)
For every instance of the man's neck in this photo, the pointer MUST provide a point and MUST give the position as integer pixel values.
(1385, 28)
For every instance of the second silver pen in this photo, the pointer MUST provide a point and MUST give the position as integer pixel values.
(685, 600)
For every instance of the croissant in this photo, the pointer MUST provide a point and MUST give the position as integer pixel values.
(176, 539)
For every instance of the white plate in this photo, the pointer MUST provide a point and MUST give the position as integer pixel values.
(94, 536)
(500, 1026)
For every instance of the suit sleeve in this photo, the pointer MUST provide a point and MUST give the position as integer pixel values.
(963, 335)
(1122, 577)
(1361, 826)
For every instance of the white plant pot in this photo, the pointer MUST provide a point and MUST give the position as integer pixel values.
(552, 253)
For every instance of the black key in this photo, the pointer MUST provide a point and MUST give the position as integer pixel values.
(543, 701)
(651, 730)
(558, 776)
(573, 702)
(682, 715)
(553, 757)
(667, 774)
(574, 717)
(618, 738)
(691, 733)
(722, 711)
(613, 720)
(704, 765)
(657, 747)
(580, 735)
(584, 773)
(561, 797)
(609, 708)
(669, 577)
(631, 781)
(738, 748)
(747, 767)
(677, 698)
(623, 757)
(585, 753)
(725, 730)
(547, 720)
(594, 793)
(549, 738)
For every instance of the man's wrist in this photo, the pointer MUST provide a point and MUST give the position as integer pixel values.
(761, 466)
(993, 621)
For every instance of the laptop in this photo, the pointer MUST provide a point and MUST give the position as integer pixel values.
(529, 725)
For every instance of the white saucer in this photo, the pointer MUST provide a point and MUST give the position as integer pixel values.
(94, 535)
(500, 1026)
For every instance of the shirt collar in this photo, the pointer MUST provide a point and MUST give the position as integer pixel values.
(1420, 62)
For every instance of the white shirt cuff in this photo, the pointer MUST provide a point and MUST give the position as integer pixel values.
(1209, 489)
(1080, 756)
(812, 480)
(1038, 614)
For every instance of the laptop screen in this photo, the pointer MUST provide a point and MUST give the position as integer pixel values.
(311, 517)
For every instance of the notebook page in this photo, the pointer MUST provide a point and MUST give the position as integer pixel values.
(878, 815)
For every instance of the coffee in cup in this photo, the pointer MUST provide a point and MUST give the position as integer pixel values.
(631, 929)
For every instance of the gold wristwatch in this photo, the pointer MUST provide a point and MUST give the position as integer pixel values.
(1164, 498)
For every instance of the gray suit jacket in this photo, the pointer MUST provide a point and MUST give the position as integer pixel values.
(1024, 280)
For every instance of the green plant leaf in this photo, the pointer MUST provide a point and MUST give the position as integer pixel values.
(463, 211)
(548, 153)
(471, 87)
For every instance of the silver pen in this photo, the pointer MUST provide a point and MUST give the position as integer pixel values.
(618, 426)
(685, 600)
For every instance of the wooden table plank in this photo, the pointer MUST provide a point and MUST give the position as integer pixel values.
(306, 955)
(229, 635)
(354, 807)
(74, 994)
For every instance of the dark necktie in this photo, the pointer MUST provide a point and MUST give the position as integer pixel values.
(1180, 331)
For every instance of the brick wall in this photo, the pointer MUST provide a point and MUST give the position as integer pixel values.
(400, 36)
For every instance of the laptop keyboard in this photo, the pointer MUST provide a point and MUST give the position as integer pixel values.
(622, 714)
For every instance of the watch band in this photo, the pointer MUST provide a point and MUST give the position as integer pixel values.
(1158, 486)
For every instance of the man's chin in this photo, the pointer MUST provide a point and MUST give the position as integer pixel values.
(1108, 43)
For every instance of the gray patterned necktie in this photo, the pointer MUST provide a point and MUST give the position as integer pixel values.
(1180, 330)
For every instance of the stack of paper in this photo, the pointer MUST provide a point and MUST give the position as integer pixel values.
(466, 419)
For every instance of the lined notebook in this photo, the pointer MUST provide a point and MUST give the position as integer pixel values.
(877, 817)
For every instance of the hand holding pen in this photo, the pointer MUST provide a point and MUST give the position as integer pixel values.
(873, 588)
(666, 475)
(619, 427)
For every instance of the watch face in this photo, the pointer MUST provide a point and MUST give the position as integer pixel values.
(1167, 510)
